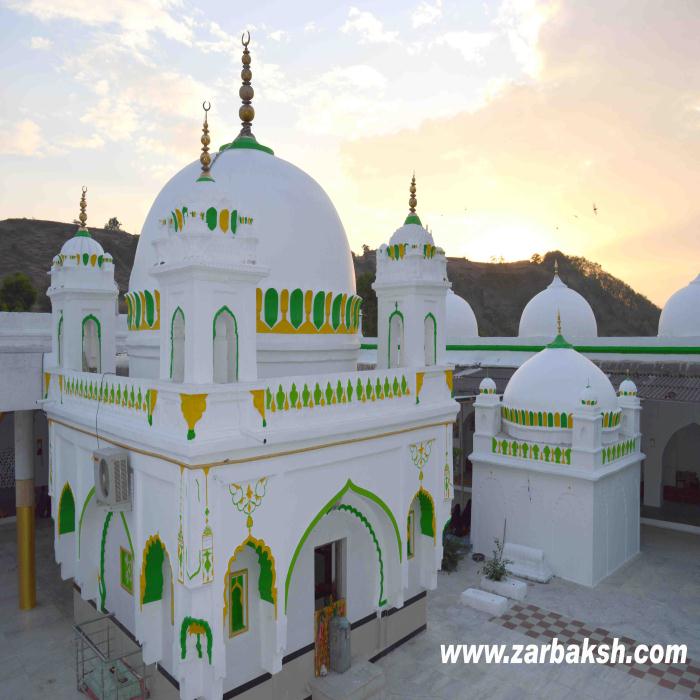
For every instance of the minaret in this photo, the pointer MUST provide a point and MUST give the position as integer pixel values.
(411, 289)
(83, 303)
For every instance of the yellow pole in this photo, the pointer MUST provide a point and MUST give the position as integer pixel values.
(24, 501)
(26, 568)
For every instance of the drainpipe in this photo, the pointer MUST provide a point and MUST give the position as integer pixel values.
(24, 499)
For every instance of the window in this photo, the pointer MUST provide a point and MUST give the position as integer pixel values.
(177, 346)
(395, 339)
(91, 345)
(238, 602)
(225, 347)
(411, 534)
(328, 573)
(430, 339)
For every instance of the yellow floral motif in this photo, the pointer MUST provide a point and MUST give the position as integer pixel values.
(248, 499)
(420, 453)
(193, 407)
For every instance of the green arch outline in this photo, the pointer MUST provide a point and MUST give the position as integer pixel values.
(63, 515)
(92, 317)
(172, 324)
(430, 315)
(395, 312)
(349, 486)
(59, 339)
(225, 310)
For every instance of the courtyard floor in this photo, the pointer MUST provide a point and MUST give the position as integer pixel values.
(653, 599)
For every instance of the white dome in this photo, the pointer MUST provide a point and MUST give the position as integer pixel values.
(552, 381)
(487, 386)
(539, 317)
(300, 236)
(411, 233)
(460, 319)
(588, 397)
(81, 249)
(680, 318)
(627, 388)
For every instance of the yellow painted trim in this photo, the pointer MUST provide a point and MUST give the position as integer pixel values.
(26, 567)
(419, 383)
(193, 407)
(449, 379)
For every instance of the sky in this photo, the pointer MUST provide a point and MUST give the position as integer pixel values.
(517, 116)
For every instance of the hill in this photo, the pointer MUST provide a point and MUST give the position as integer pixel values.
(497, 292)
(29, 245)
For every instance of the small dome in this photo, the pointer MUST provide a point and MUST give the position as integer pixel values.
(539, 315)
(680, 317)
(627, 388)
(551, 381)
(460, 319)
(82, 243)
(413, 234)
(487, 386)
(588, 397)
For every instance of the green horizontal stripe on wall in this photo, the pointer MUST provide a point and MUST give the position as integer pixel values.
(607, 349)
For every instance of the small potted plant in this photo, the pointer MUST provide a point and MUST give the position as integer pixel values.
(495, 576)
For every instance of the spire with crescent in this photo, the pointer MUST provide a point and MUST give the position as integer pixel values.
(412, 217)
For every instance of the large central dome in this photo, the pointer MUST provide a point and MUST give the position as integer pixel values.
(300, 236)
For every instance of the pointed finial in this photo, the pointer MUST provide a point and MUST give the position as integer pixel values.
(205, 158)
(246, 111)
(412, 217)
(412, 201)
(558, 323)
(83, 207)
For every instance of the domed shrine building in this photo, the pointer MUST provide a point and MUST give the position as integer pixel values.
(245, 482)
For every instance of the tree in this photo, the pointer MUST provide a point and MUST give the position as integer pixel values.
(17, 293)
(536, 259)
(113, 224)
(369, 304)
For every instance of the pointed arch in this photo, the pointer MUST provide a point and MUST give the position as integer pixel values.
(177, 345)
(91, 493)
(154, 553)
(66, 511)
(426, 502)
(225, 360)
(349, 486)
(430, 339)
(59, 340)
(92, 344)
(267, 579)
(396, 320)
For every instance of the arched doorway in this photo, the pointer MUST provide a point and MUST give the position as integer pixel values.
(91, 345)
(157, 603)
(250, 610)
(347, 561)
(681, 475)
(177, 346)
(430, 339)
(396, 339)
(420, 542)
(225, 347)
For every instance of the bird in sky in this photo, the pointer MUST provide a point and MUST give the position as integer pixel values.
(595, 209)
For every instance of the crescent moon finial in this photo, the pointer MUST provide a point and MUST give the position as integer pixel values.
(206, 105)
(245, 41)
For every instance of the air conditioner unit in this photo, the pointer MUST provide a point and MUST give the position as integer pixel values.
(112, 478)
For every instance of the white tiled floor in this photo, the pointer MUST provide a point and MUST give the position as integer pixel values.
(655, 598)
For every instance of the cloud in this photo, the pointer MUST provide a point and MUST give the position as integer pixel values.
(311, 27)
(136, 18)
(279, 35)
(612, 118)
(522, 21)
(426, 13)
(470, 44)
(40, 43)
(21, 139)
(369, 27)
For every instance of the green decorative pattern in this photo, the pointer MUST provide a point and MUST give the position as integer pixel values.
(101, 584)
(618, 450)
(111, 392)
(143, 310)
(86, 259)
(197, 627)
(397, 251)
(427, 513)
(266, 576)
(611, 419)
(153, 572)
(224, 220)
(91, 493)
(540, 419)
(349, 509)
(552, 454)
(330, 392)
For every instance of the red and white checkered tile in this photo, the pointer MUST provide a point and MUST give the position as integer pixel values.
(543, 625)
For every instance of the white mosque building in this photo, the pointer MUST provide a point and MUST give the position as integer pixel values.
(224, 479)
